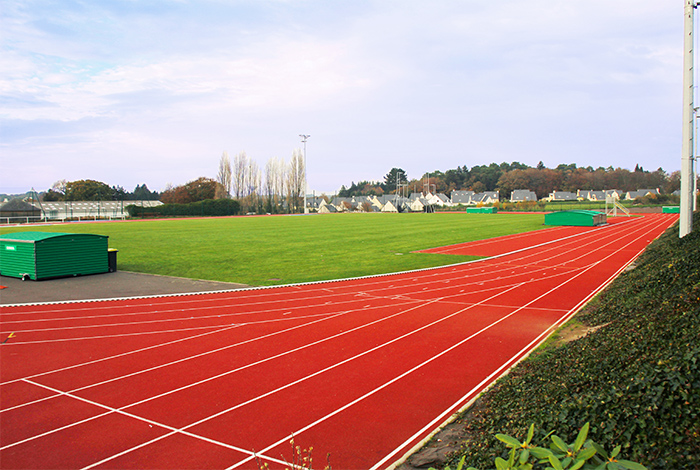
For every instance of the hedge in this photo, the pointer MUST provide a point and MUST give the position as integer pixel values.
(206, 208)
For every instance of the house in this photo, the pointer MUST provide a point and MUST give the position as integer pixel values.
(418, 205)
(461, 197)
(314, 202)
(522, 195)
(325, 208)
(488, 197)
(436, 200)
(389, 207)
(559, 196)
(443, 200)
(591, 195)
(641, 193)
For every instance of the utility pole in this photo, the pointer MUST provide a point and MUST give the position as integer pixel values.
(304, 138)
(687, 177)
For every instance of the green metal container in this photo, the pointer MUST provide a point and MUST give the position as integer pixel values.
(577, 218)
(42, 255)
(481, 210)
(671, 210)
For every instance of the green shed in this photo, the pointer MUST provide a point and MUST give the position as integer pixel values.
(481, 210)
(577, 218)
(671, 209)
(42, 255)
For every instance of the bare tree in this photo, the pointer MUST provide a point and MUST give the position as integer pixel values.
(240, 170)
(295, 179)
(252, 185)
(224, 175)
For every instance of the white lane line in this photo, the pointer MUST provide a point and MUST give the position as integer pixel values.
(135, 351)
(251, 340)
(298, 381)
(229, 372)
(238, 294)
(305, 428)
(198, 307)
(533, 344)
(130, 415)
(178, 330)
(592, 265)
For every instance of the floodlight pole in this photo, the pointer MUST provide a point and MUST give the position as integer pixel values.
(686, 216)
(304, 138)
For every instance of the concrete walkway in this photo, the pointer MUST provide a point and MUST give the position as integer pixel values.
(102, 286)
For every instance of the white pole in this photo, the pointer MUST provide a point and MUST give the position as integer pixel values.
(694, 164)
(304, 138)
(686, 216)
(695, 185)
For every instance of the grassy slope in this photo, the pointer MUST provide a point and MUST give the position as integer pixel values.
(280, 250)
(636, 379)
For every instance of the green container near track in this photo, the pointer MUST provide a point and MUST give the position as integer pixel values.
(481, 210)
(671, 209)
(43, 255)
(576, 218)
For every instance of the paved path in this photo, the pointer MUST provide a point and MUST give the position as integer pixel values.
(102, 286)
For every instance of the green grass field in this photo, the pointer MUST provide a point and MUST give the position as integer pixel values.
(262, 251)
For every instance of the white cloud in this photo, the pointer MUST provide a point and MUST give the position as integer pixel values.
(423, 85)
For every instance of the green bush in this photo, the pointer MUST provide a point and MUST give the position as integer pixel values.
(583, 454)
(636, 379)
(206, 208)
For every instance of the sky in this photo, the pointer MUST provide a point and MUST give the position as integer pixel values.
(132, 92)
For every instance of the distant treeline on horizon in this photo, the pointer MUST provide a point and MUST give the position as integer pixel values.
(505, 178)
(508, 177)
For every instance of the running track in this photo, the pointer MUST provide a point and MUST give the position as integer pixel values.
(364, 369)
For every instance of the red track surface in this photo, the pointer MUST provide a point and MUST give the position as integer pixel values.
(364, 369)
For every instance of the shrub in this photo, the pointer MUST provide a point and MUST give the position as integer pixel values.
(206, 208)
(583, 453)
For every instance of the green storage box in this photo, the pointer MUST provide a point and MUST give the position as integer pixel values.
(42, 255)
(671, 209)
(481, 210)
(576, 218)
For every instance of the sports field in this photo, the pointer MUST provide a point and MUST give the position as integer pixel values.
(263, 251)
(362, 369)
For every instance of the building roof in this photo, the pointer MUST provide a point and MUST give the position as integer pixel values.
(18, 205)
(523, 195)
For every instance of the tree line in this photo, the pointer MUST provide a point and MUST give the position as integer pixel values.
(507, 177)
(91, 190)
(279, 187)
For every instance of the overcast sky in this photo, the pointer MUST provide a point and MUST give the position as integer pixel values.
(154, 91)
